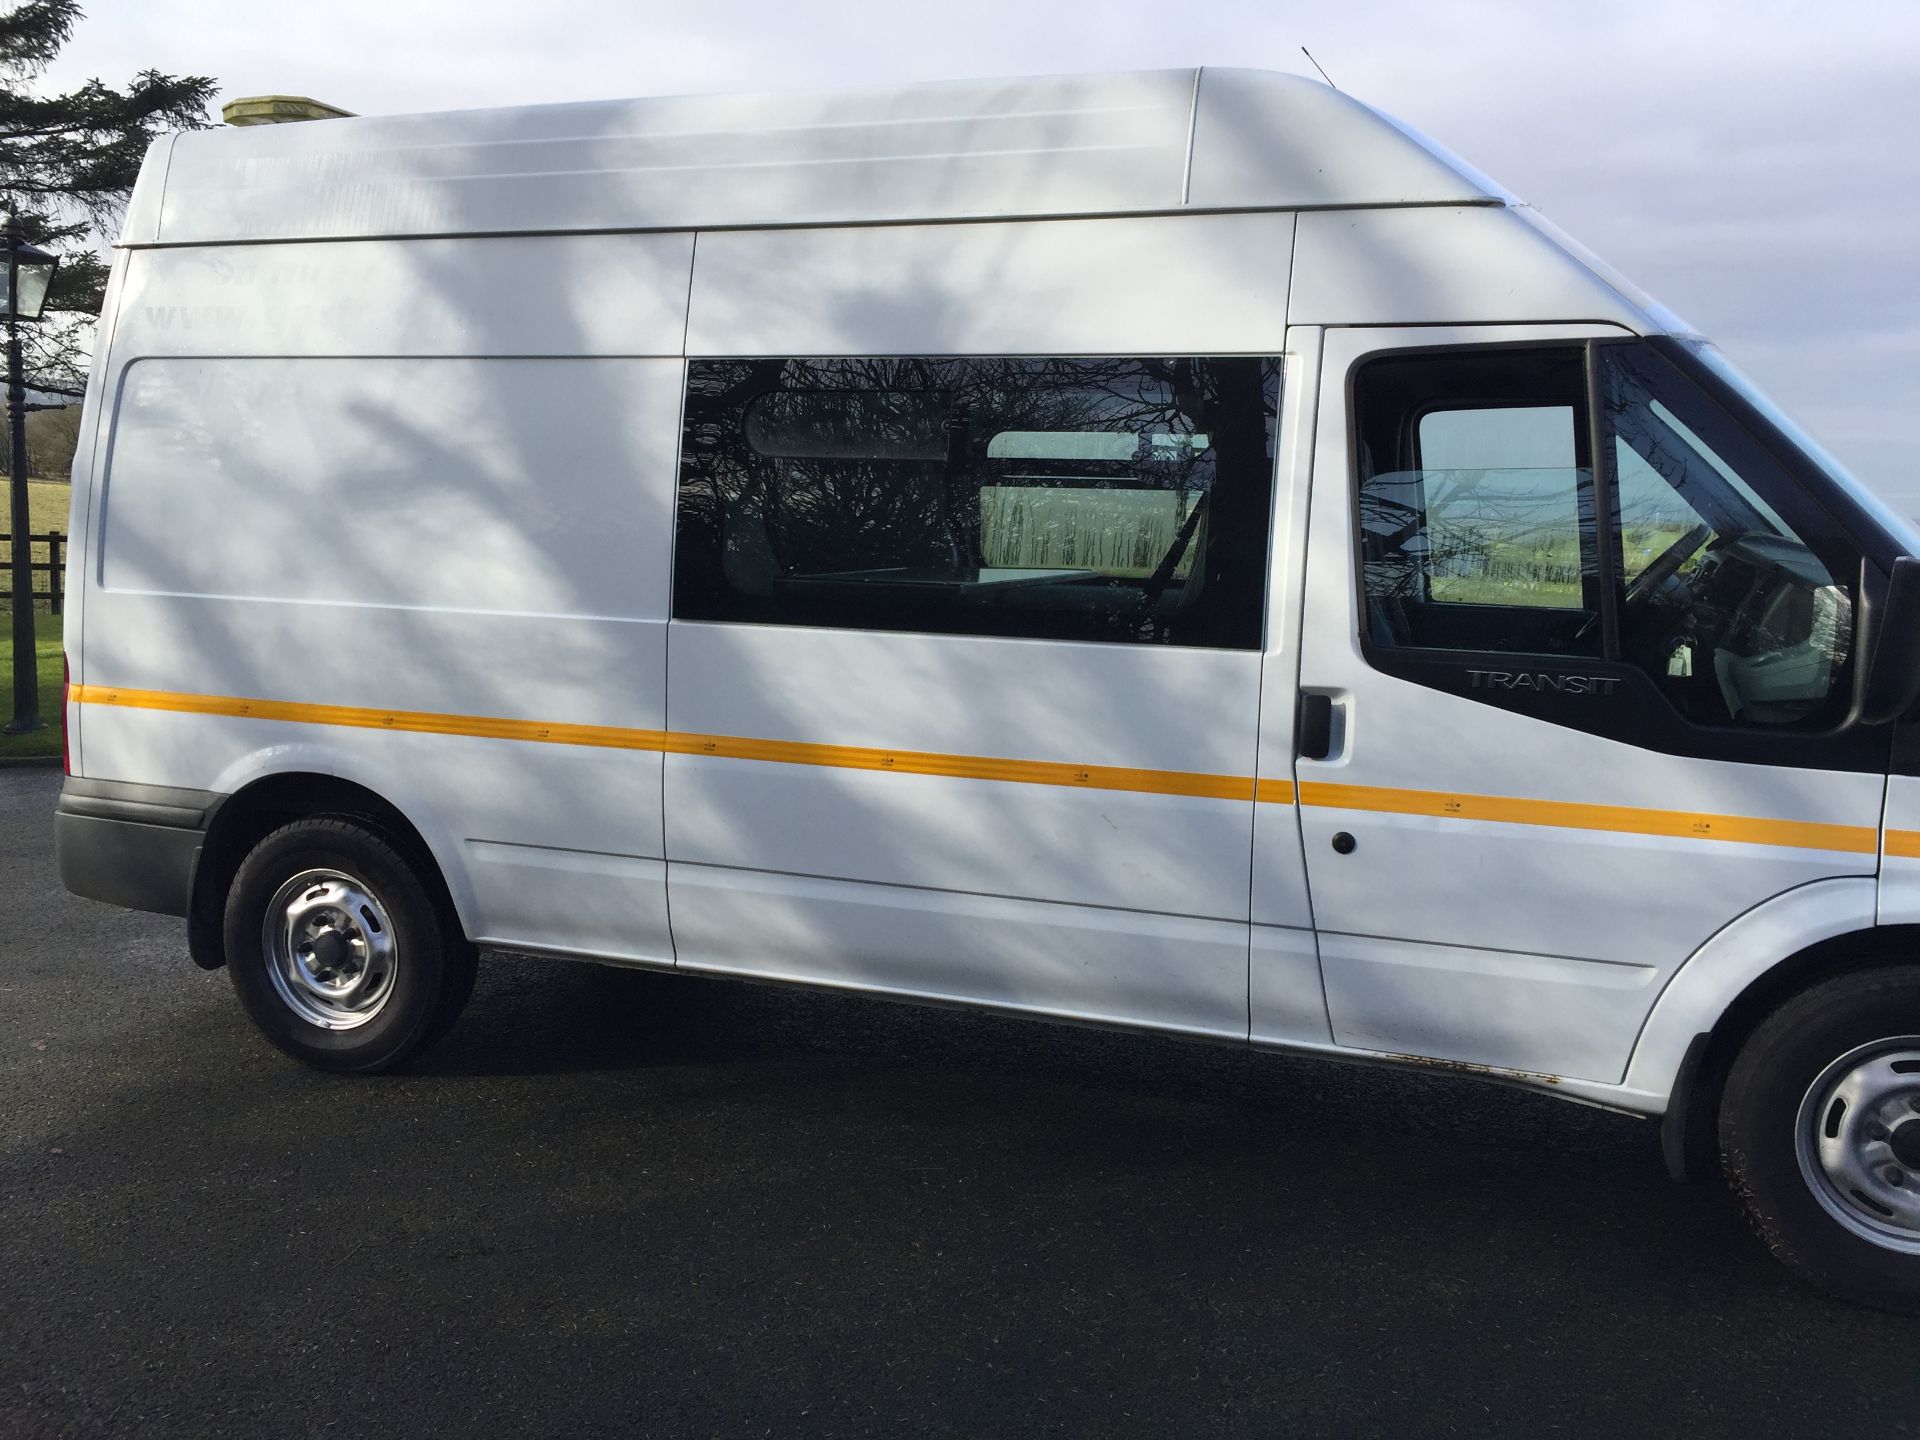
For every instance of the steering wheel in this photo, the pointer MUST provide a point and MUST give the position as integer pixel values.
(1661, 569)
(1665, 565)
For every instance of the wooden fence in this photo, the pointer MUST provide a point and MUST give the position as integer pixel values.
(47, 564)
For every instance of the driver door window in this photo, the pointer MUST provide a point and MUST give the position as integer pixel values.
(1477, 506)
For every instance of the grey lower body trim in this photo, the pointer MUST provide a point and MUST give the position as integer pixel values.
(130, 845)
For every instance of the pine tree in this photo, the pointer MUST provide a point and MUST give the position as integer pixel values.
(69, 162)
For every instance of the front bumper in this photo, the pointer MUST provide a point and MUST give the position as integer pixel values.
(131, 845)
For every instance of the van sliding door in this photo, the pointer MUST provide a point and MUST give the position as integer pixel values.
(968, 618)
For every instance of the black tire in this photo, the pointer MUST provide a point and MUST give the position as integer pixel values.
(1760, 1120)
(432, 965)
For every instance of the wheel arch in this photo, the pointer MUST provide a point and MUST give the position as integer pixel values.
(256, 809)
(1742, 975)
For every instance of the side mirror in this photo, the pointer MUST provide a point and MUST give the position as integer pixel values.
(1893, 637)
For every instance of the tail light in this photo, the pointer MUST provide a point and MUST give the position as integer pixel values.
(66, 692)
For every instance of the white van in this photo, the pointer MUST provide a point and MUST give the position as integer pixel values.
(1167, 550)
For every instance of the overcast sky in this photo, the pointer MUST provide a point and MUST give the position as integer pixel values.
(1754, 165)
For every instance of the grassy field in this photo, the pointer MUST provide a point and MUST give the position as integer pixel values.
(1543, 572)
(46, 740)
(47, 502)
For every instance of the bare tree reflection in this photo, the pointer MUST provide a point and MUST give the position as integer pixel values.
(1145, 482)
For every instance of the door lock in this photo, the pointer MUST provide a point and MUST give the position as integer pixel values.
(1343, 843)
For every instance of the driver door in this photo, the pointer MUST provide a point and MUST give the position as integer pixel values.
(1587, 650)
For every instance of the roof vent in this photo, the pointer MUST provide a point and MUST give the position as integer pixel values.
(278, 110)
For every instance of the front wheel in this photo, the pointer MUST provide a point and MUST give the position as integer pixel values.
(1820, 1134)
(337, 949)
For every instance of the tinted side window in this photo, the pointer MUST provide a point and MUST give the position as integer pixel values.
(1121, 500)
(1476, 502)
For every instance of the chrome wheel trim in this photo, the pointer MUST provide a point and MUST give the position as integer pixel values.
(1858, 1142)
(330, 949)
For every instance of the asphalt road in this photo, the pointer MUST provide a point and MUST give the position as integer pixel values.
(616, 1203)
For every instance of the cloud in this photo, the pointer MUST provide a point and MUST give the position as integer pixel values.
(1750, 164)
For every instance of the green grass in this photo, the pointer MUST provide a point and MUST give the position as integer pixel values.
(46, 740)
(1538, 571)
(47, 504)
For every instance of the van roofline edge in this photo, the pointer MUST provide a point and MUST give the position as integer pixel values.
(917, 222)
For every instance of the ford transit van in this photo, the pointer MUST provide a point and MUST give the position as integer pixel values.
(1173, 551)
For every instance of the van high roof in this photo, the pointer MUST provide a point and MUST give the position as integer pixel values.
(1137, 143)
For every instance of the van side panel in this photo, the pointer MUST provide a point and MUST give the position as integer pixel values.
(1899, 902)
(1175, 285)
(958, 875)
(1431, 266)
(1175, 973)
(89, 445)
(314, 548)
(576, 295)
(1110, 706)
(1058, 144)
(473, 486)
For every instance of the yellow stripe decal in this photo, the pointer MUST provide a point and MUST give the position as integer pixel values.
(729, 747)
(419, 722)
(965, 767)
(1797, 834)
(1273, 792)
(1570, 815)
(1904, 844)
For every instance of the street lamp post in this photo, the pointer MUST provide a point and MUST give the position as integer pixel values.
(29, 273)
